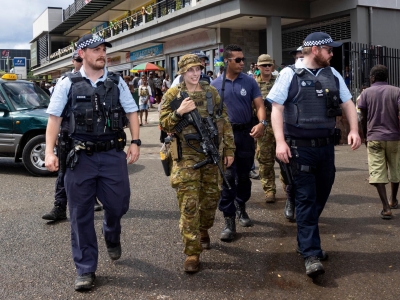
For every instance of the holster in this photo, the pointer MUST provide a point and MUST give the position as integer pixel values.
(64, 142)
(337, 136)
(286, 172)
(120, 140)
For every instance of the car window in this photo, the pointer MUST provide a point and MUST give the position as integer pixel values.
(25, 95)
(2, 100)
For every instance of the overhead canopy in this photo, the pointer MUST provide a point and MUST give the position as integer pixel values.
(74, 14)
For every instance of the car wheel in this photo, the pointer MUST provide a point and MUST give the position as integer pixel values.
(33, 156)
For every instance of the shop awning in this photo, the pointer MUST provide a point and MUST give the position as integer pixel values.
(79, 11)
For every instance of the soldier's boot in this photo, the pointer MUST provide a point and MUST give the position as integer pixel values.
(270, 197)
(242, 215)
(229, 232)
(56, 214)
(289, 206)
(192, 263)
(204, 239)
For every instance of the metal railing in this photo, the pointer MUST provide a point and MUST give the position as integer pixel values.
(62, 52)
(73, 8)
(364, 56)
(135, 19)
(142, 16)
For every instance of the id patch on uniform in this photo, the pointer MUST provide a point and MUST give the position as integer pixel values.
(83, 98)
(307, 83)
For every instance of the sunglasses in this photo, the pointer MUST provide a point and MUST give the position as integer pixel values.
(238, 59)
(266, 65)
(79, 60)
(328, 49)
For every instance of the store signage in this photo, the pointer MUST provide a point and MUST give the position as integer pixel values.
(147, 52)
(19, 61)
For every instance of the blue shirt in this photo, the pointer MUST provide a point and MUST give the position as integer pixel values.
(59, 98)
(280, 90)
(238, 97)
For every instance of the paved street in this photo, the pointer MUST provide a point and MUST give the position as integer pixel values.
(364, 250)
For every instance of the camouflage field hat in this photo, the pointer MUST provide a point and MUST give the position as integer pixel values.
(187, 61)
(264, 59)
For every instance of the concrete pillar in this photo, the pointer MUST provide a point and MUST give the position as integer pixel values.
(211, 66)
(274, 38)
(167, 67)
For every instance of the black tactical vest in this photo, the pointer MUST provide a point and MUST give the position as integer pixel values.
(308, 109)
(93, 111)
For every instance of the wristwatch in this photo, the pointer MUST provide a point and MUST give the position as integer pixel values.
(137, 142)
(265, 123)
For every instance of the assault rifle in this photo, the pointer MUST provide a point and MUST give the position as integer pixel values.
(206, 134)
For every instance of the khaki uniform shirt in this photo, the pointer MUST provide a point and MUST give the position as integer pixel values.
(265, 87)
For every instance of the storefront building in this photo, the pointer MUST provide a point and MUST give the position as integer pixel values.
(160, 31)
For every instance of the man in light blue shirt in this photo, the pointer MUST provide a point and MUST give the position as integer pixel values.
(90, 105)
(305, 102)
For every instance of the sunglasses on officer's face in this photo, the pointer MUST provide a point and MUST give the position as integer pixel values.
(79, 60)
(328, 49)
(238, 59)
(266, 65)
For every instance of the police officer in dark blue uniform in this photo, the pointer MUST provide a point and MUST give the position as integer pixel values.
(59, 210)
(239, 93)
(306, 99)
(96, 105)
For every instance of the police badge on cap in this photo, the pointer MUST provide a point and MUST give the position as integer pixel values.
(91, 41)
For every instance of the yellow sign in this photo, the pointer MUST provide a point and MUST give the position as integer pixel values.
(9, 77)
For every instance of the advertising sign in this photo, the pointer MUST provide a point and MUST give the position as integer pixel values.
(147, 52)
(20, 67)
(5, 53)
(19, 62)
(34, 60)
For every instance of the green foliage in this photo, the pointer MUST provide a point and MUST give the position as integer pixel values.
(149, 17)
(178, 4)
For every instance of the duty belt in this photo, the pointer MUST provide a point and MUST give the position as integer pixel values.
(241, 126)
(91, 147)
(309, 142)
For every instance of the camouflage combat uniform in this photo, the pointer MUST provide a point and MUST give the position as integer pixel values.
(198, 191)
(266, 145)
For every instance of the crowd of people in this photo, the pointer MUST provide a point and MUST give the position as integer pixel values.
(218, 125)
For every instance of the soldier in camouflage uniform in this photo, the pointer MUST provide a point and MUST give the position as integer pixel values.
(198, 191)
(265, 152)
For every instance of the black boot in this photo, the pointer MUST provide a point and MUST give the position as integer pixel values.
(229, 232)
(289, 206)
(313, 266)
(85, 282)
(57, 213)
(114, 250)
(242, 215)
